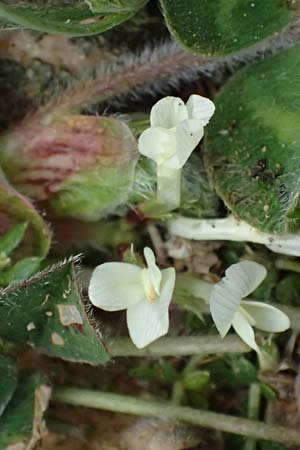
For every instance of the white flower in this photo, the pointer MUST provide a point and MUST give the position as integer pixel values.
(175, 130)
(228, 309)
(145, 293)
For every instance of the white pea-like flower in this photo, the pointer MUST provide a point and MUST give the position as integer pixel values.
(229, 309)
(176, 129)
(144, 293)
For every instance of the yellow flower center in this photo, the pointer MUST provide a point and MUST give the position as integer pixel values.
(149, 288)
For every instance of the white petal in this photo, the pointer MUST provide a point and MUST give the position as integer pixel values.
(223, 303)
(245, 276)
(158, 144)
(168, 112)
(244, 330)
(188, 135)
(148, 321)
(267, 317)
(116, 286)
(200, 108)
(154, 271)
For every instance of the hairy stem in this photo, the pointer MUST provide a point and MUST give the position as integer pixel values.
(132, 405)
(179, 346)
(156, 69)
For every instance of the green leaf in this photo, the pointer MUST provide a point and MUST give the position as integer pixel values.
(225, 26)
(58, 16)
(12, 238)
(196, 380)
(232, 371)
(115, 6)
(15, 208)
(22, 422)
(288, 290)
(8, 384)
(48, 312)
(20, 271)
(252, 143)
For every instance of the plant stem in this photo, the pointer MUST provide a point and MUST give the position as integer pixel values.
(132, 405)
(253, 412)
(287, 264)
(179, 346)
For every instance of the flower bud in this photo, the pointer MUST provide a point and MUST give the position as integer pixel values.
(82, 166)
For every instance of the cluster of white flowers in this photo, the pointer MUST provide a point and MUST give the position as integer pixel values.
(146, 293)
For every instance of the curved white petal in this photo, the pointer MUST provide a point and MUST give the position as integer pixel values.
(168, 112)
(267, 317)
(154, 271)
(244, 277)
(115, 286)
(223, 304)
(148, 321)
(200, 108)
(158, 144)
(188, 135)
(244, 330)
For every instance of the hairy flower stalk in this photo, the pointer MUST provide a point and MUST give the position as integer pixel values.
(232, 229)
(82, 166)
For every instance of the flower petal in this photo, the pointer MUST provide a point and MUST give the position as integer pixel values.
(168, 112)
(154, 271)
(158, 144)
(200, 108)
(115, 286)
(244, 277)
(267, 317)
(148, 321)
(188, 135)
(223, 304)
(244, 330)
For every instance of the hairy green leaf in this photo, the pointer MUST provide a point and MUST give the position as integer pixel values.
(253, 144)
(225, 26)
(48, 312)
